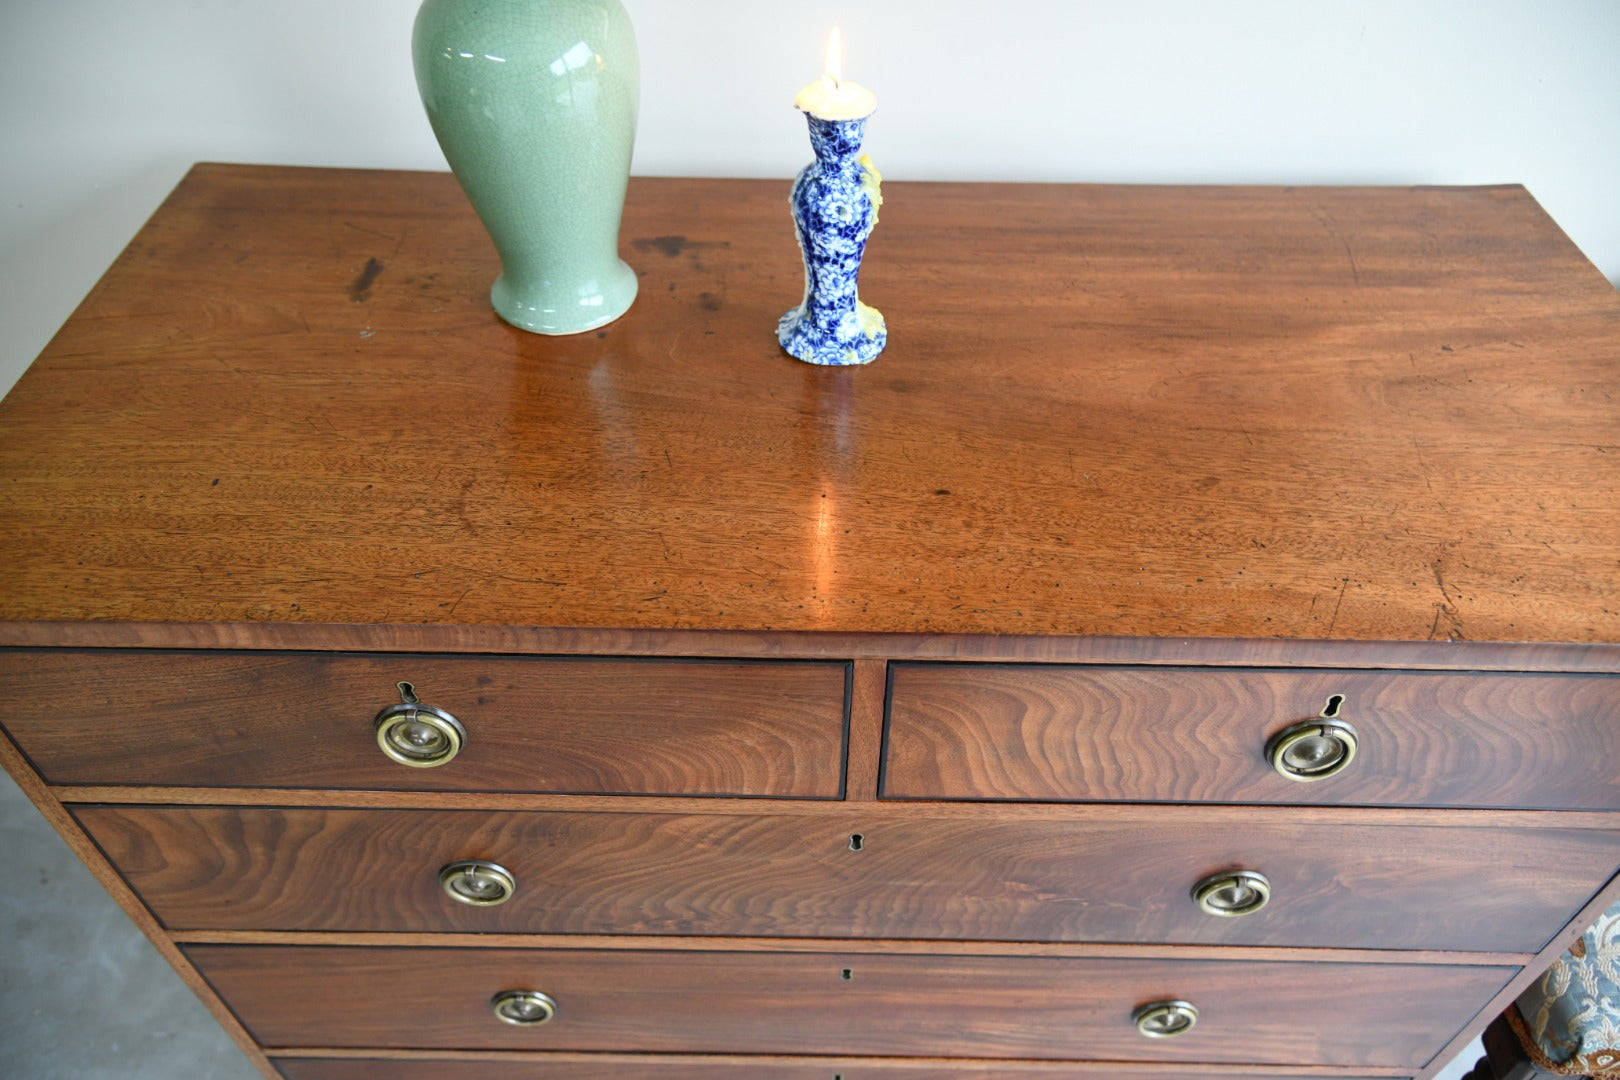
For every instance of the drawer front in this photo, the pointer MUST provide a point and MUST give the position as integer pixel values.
(847, 1003)
(1069, 733)
(306, 720)
(688, 1067)
(1123, 876)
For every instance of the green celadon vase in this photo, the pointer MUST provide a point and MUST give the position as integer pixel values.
(534, 103)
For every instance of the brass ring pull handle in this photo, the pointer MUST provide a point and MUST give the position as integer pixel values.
(418, 735)
(1165, 1019)
(524, 1008)
(1232, 893)
(1312, 749)
(477, 883)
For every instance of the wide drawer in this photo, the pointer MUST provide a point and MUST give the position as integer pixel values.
(847, 1003)
(731, 1067)
(1110, 875)
(306, 720)
(1107, 734)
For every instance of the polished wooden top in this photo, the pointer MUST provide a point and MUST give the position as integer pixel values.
(1298, 413)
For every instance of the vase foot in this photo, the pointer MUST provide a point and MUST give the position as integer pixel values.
(544, 309)
(857, 340)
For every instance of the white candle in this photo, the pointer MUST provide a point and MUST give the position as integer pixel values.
(830, 97)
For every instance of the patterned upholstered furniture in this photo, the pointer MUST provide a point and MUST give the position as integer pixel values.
(1568, 1022)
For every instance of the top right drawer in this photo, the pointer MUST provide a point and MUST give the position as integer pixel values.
(1067, 733)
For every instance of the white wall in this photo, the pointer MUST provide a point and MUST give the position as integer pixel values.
(104, 103)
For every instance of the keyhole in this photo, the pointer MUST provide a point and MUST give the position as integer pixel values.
(856, 841)
(1332, 708)
(847, 974)
(407, 693)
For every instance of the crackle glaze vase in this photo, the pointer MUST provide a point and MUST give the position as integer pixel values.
(835, 203)
(534, 103)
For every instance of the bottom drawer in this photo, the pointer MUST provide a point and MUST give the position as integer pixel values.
(847, 1003)
(639, 1067)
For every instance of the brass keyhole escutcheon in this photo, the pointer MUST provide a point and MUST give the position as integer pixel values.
(417, 735)
(523, 1008)
(1233, 893)
(477, 883)
(1165, 1019)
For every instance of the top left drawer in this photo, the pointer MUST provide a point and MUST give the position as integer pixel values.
(531, 724)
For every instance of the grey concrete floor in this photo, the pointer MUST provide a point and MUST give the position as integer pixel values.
(84, 995)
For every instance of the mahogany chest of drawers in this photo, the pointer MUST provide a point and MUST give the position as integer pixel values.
(1190, 650)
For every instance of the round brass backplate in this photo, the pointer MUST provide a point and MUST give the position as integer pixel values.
(1165, 1019)
(1312, 750)
(1233, 893)
(524, 1008)
(477, 883)
(420, 736)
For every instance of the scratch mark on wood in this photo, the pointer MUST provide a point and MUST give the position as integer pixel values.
(1440, 580)
(1423, 466)
(1446, 609)
(676, 343)
(1344, 586)
(368, 232)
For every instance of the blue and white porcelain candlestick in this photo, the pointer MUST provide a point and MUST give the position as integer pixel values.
(835, 205)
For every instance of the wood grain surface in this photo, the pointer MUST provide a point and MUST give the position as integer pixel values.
(732, 1067)
(1196, 735)
(873, 946)
(1305, 413)
(817, 645)
(1329, 1014)
(537, 725)
(1303, 427)
(1126, 878)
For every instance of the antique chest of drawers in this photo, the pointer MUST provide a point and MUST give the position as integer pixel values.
(1190, 650)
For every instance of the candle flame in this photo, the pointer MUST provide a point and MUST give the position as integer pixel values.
(835, 56)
